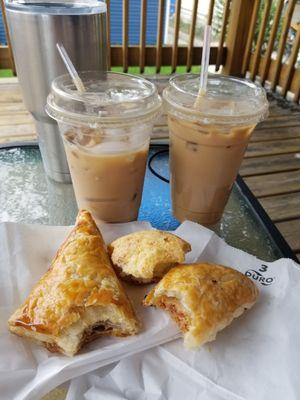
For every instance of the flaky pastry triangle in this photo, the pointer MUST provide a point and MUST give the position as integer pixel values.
(79, 298)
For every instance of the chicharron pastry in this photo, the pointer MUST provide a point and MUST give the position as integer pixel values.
(79, 298)
(145, 256)
(203, 299)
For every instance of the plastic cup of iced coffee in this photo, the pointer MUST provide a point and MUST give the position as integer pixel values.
(106, 133)
(208, 138)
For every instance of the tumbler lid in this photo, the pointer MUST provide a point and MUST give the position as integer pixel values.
(57, 7)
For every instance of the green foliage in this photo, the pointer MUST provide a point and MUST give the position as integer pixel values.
(269, 25)
(4, 73)
(217, 18)
(165, 70)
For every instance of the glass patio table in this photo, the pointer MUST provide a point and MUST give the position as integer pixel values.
(27, 195)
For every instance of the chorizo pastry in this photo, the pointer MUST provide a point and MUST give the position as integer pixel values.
(203, 299)
(79, 298)
(145, 256)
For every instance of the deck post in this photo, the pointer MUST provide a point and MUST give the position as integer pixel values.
(238, 31)
(11, 57)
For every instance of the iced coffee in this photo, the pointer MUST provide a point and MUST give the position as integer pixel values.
(208, 139)
(107, 143)
(108, 184)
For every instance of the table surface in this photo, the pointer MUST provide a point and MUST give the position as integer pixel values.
(27, 195)
(270, 168)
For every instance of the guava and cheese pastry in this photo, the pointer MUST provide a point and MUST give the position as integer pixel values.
(145, 256)
(203, 299)
(79, 298)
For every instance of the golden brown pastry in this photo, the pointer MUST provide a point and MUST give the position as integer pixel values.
(203, 299)
(79, 298)
(145, 256)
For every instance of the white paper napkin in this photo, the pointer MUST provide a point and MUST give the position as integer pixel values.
(151, 375)
(256, 358)
(28, 371)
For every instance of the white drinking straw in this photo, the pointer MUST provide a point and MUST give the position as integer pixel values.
(205, 60)
(70, 67)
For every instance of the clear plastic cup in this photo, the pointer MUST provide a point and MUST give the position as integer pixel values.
(106, 133)
(208, 138)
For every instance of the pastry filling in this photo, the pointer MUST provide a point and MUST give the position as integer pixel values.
(53, 347)
(94, 331)
(89, 335)
(173, 306)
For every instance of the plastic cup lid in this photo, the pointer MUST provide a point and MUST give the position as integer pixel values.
(228, 100)
(110, 98)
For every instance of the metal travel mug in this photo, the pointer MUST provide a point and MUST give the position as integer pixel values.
(35, 28)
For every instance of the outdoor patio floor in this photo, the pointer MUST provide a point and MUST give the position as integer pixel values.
(271, 167)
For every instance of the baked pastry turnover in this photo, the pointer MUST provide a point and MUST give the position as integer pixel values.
(145, 256)
(79, 298)
(203, 299)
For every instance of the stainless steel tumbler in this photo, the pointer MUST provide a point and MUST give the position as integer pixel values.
(35, 27)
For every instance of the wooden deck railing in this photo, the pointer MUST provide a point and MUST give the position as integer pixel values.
(240, 50)
(6, 54)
